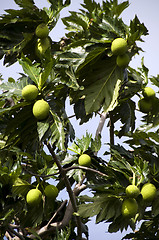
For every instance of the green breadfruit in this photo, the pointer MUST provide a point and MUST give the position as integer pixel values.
(41, 109)
(51, 191)
(145, 105)
(84, 160)
(30, 92)
(123, 60)
(132, 191)
(41, 46)
(42, 31)
(119, 46)
(148, 93)
(148, 192)
(129, 207)
(34, 197)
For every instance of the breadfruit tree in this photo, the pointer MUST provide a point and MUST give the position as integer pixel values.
(40, 154)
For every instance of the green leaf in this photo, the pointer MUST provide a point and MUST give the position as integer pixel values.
(25, 3)
(14, 88)
(102, 81)
(137, 29)
(57, 132)
(155, 208)
(154, 136)
(75, 148)
(33, 71)
(45, 74)
(96, 144)
(42, 128)
(20, 187)
(104, 207)
(84, 142)
(155, 80)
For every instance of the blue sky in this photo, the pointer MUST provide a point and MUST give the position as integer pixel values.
(147, 12)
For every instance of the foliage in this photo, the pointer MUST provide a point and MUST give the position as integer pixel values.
(80, 67)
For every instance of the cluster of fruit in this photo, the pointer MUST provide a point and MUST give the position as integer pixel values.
(34, 196)
(40, 108)
(119, 48)
(146, 103)
(130, 205)
(43, 42)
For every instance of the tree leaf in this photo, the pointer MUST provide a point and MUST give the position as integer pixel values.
(33, 71)
(57, 132)
(25, 3)
(101, 85)
(42, 128)
(20, 187)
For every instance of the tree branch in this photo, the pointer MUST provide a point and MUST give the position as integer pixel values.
(86, 169)
(52, 227)
(101, 124)
(17, 234)
(68, 187)
(111, 125)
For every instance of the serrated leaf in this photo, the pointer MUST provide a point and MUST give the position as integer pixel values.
(96, 144)
(102, 84)
(75, 148)
(84, 142)
(25, 3)
(13, 88)
(137, 29)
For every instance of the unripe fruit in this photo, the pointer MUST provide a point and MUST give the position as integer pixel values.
(122, 60)
(84, 160)
(34, 197)
(148, 92)
(129, 207)
(41, 109)
(30, 92)
(144, 105)
(42, 30)
(132, 191)
(119, 46)
(148, 192)
(51, 191)
(41, 46)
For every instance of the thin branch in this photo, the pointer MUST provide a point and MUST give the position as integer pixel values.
(40, 175)
(111, 125)
(101, 124)
(52, 227)
(68, 187)
(55, 214)
(11, 229)
(86, 169)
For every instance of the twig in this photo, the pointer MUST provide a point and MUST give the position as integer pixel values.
(68, 187)
(86, 169)
(55, 214)
(11, 229)
(52, 227)
(40, 175)
(101, 124)
(111, 125)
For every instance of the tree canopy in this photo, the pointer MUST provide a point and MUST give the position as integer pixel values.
(38, 143)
